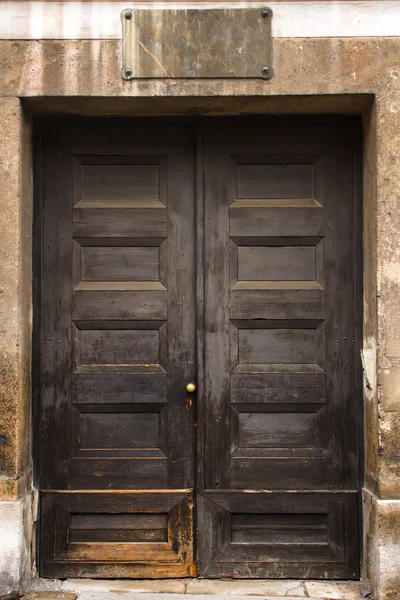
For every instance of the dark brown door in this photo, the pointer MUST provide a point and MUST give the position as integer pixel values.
(280, 466)
(264, 321)
(118, 329)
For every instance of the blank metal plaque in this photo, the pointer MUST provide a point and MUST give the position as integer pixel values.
(194, 43)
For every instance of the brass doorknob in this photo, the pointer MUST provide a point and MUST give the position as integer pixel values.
(191, 387)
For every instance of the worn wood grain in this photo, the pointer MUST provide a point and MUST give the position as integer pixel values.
(261, 263)
(103, 263)
(126, 528)
(266, 179)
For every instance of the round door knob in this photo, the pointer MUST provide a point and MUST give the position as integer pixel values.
(191, 387)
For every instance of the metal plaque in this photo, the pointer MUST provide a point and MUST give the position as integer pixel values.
(196, 42)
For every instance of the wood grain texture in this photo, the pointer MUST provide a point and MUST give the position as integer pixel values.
(277, 346)
(309, 532)
(119, 222)
(273, 221)
(119, 388)
(286, 387)
(56, 306)
(279, 180)
(119, 430)
(257, 430)
(258, 263)
(118, 528)
(96, 534)
(218, 363)
(282, 472)
(119, 304)
(279, 529)
(119, 181)
(120, 264)
(125, 346)
(277, 303)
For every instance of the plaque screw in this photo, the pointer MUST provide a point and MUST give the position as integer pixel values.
(265, 12)
(128, 72)
(128, 16)
(265, 72)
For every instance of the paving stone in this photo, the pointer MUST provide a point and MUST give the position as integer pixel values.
(173, 586)
(247, 588)
(49, 595)
(335, 591)
(123, 595)
(196, 589)
(39, 584)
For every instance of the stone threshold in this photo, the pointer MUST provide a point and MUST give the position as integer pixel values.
(125, 589)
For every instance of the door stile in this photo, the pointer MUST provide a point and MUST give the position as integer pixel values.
(200, 316)
(358, 298)
(217, 325)
(181, 322)
(214, 522)
(55, 330)
(202, 514)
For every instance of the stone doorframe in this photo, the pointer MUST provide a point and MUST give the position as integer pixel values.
(314, 76)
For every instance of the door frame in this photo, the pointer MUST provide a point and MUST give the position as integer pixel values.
(198, 123)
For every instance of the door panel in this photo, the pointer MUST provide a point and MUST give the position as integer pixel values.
(137, 534)
(269, 534)
(279, 354)
(117, 349)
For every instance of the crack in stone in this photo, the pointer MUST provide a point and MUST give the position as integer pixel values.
(303, 585)
(287, 593)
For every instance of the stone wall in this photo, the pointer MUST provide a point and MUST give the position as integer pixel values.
(313, 75)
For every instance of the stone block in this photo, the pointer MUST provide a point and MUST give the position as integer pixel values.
(391, 386)
(332, 590)
(95, 586)
(9, 281)
(382, 546)
(247, 588)
(49, 595)
(11, 546)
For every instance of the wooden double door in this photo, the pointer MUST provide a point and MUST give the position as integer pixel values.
(221, 255)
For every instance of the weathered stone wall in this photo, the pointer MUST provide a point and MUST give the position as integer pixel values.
(355, 75)
(15, 339)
